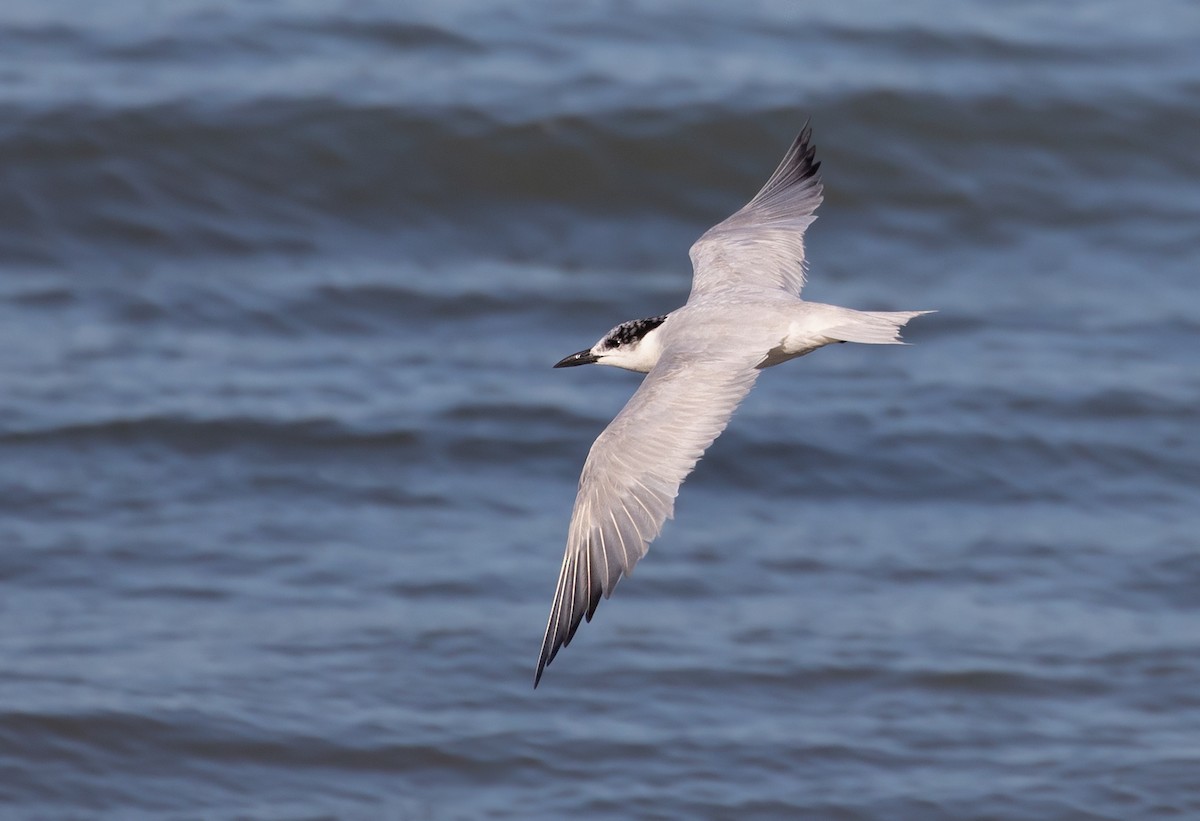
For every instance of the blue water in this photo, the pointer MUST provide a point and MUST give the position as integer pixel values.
(285, 473)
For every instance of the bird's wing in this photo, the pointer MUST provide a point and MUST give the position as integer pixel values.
(762, 245)
(632, 475)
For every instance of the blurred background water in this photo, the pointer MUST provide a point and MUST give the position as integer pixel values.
(285, 473)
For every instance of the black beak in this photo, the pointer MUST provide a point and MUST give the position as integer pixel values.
(581, 358)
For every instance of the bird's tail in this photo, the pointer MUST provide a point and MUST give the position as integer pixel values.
(872, 327)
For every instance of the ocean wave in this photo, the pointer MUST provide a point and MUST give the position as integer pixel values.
(196, 737)
(190, 434)
(953, 465)
(291, 176)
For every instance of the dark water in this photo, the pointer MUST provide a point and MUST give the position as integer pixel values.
(285, 473)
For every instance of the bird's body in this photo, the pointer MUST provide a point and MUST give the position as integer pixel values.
(743, 314)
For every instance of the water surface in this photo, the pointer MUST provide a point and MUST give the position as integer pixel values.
(285, 473)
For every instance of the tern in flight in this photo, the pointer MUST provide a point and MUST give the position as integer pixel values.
(744, 314)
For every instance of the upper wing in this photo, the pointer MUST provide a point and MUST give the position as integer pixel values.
(763, 243)
(631, 477)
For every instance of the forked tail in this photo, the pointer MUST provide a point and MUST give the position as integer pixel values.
(872, 327)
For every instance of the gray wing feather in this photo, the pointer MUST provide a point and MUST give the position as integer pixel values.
(763, 243)
(631, 477)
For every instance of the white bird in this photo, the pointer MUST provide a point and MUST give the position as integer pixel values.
(743, 314)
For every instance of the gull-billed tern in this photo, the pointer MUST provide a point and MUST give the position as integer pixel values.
(744, 314)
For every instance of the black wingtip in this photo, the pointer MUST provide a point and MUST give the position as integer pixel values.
(803, 153)
(549, 651)
(798, 169)
(805, 131)
(555, 640)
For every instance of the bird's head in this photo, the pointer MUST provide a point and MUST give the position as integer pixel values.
(633, 345)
